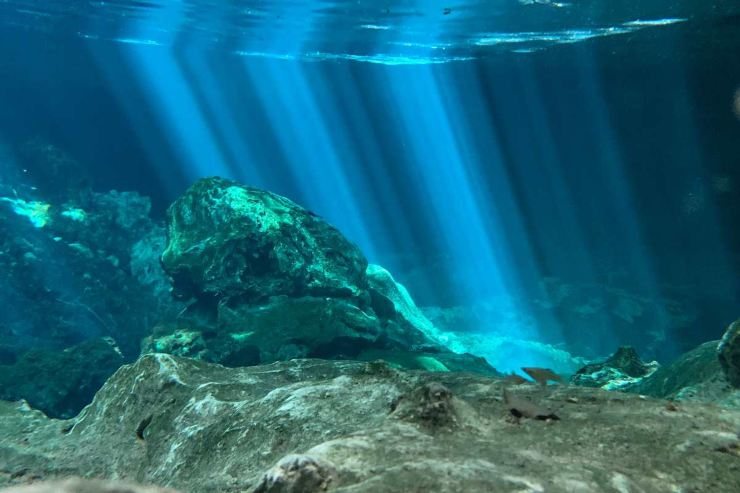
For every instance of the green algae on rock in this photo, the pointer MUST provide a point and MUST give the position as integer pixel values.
(695, 376)
(271, 281)
(84, 274)
(228, 240)
(619, 371)
(78, 266)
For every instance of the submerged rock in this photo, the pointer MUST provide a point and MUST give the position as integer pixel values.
(392, 301)
(619, 371)
(694, 376)
(301, 327)
(703, 374)
(431, 406)
(317, 425)
(60, 383)
(226, 240)
(284, 328)
(77, 266)
(627, 361)
(271, 281)
(297, 474)
(79, 485)
(728, 352)
(75, 271)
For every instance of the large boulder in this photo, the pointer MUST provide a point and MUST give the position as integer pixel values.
(728, 352)
(269, 281)
(227, 240)
(311, 426)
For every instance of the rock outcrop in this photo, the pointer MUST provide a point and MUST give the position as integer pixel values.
(74, 271)
(620, 371)
(316, 425)
(268, 280)
(78, 485)
(77, 266)
(704, 374)
(695, 376)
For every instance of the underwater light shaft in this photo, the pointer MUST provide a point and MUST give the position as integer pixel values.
(463, 198)
(258, 245)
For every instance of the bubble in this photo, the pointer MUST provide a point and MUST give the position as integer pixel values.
(736, 103)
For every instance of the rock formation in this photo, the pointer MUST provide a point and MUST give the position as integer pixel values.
(620, 371)
(78, 266)
(317, 425)
(268, 280)
(696, 376)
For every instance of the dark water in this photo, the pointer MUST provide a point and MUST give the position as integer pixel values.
(475, 149)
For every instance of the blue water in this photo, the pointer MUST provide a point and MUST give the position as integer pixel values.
(479, 150)
(389, 32)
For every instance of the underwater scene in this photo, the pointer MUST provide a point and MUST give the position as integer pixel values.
(303, 246)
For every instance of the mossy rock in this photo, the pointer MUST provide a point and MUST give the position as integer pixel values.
(227, 240)
(271, 281)
(621, 371)
(697, 369)
(286, 328)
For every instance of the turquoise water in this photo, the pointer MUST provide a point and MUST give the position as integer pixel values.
(548, 180)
